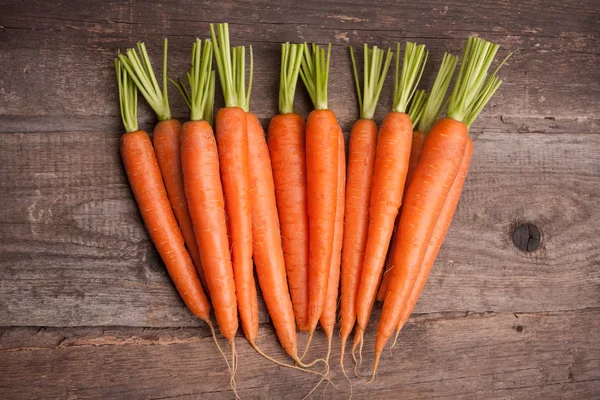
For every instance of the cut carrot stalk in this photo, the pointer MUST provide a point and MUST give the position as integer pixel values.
(232, 141)
(437, 170)
(389, 175)
(166, 138)
(288, 162)
(361, 161)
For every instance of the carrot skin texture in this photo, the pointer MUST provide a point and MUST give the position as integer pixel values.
(435, 173)
(232, 142)
(167, 146)
(389, 175)
(267, 247)
(361, 161)
(328, 315)
(439, 233)
(322, 132)
(202, 181)
(418, 140)
(150, 194)
(286, 142)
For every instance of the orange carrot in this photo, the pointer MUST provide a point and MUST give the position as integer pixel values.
(166, 141)
(232, 141)
(389, 175)
(322, 131)
(288, 162)
(361, 161)
(149, 191)
(328, 315)
(435, 173)
(418, 139)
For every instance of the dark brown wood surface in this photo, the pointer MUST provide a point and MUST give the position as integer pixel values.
(87, 310)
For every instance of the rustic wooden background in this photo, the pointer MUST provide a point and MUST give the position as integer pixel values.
(87, 310)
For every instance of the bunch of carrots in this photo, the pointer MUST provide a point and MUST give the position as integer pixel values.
(221, 200)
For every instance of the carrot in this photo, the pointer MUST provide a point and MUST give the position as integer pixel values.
(322, 142)
(435, 174)
(418, 139)
(232, 141)
(166, 142)
(361, 160)
(328, 315)
(389, 174)
(288, 162)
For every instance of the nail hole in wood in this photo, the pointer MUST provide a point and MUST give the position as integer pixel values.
(526, 237)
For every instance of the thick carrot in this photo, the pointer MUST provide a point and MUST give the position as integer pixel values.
(288, 162)
(150, 194)
(389, 175)
(361, 161)
(439, 233)
(436, 172)
(232, 141)
(166, 141)
(267, 248)
(328, 315)
(322, 131)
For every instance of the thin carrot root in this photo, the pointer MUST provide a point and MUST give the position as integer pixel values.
(328, 350)
(375, 364)
(395, 340)
(310, 335)
(234, 368)
(214, 335)
(358, 340)
(344, 338)
(325, 376)
(259, 351)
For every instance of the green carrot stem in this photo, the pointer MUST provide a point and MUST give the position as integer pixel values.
(200, 97)
(417, 105)
(472, 82)
(315, 74)
(127, 97)
(231, 64)
(405, 83)
(141, 72)
(291, 60)
(434, 102)
(375, 71)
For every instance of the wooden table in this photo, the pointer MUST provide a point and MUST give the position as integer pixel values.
(87, 309)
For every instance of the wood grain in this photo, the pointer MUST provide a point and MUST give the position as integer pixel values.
(477, 356)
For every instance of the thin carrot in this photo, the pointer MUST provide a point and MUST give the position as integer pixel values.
(166, 141)
(288, 162)
(418, 139)
(328, 315)
(389, 175)
(149, 191)
(232, 141)
(361, 161)
(322, 142)
(435, 174)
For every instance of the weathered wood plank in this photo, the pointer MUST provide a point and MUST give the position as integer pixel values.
(490, 356)
(74, 251)
(551, 74)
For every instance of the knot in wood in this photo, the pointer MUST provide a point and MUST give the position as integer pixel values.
(526, 237)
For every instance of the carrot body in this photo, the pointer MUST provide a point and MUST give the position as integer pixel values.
(166, 140)
(418, 140)
(328, 316)
(389, 175)
(322, 132)
(434, 175)
(202, 181)
(361, 161)
(286, 142)
(439, 233)
(267, 248)
(232, 141)
(148, 188)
